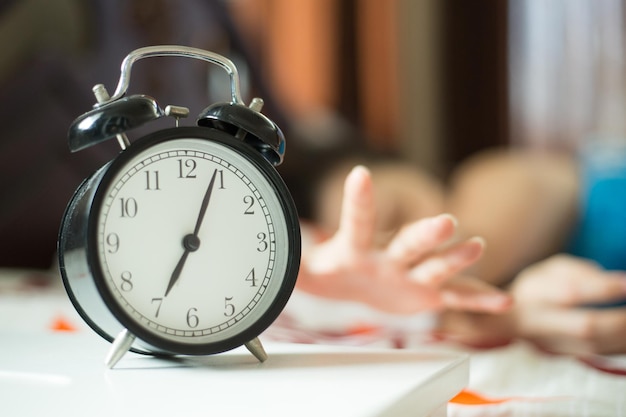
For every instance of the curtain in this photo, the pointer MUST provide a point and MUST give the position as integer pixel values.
(566, 77)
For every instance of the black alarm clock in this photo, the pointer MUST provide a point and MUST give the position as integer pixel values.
(188, 241)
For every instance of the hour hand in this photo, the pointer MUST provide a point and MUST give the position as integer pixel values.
(177, 271)
(191, 243)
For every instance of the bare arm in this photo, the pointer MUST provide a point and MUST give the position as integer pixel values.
(522, 203)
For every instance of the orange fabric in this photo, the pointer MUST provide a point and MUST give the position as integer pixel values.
(466, 397)
(362, 329)
(61, 324)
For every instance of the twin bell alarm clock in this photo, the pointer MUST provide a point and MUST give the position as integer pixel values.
(188, 241)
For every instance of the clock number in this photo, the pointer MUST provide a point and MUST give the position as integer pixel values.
(186, 168)
(127, 283)
(152, 180)
(221, 175)
(251, 278)
(113, 241)
(192, 319)
(263, 244)
(249, 200)
(129, 207)
(230, 307)
(160, 301)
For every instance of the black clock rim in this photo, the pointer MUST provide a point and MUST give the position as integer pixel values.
(293, 233)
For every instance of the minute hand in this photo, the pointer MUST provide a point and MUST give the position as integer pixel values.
(191, 242)
(205, 204)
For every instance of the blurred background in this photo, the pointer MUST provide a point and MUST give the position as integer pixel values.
(430, 82)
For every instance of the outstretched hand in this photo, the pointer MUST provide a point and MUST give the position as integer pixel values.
(418, 270)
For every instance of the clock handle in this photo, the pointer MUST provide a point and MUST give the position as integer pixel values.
(120, 346)
(181, 51)
(112, 116)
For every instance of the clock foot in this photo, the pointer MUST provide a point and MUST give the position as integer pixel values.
(120, 346)
(256, 348)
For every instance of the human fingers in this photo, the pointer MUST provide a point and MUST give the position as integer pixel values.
(419, 238)
(577, 331)
(358, 214)
(479, 330)
(606, 288)
(569, 281)
(465, 294)
(440, 266)
(471, 294)
(392, 296)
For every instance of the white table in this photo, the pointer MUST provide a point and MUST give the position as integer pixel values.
(43, 372)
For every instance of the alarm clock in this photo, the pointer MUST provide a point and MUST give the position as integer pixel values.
(188, 241)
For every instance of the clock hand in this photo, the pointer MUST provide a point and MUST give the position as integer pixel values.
(191, 242)
(205, 204)
(177, 271)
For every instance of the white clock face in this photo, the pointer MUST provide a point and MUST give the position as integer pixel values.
(192, 241)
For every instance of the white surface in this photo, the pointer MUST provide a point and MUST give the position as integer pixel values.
(48, 374)
(540, 385)
(63, 374)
